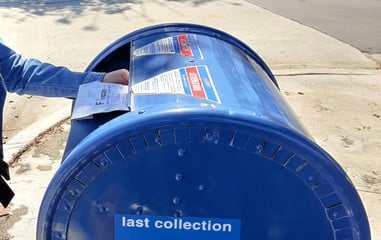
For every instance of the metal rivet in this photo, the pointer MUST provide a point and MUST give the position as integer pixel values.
(58, 235)
(176, 200)
(139, 211)
(178, 213)
(181, 152)
(259, 148)
(179, 177)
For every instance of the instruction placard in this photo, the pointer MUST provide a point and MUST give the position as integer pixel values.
(184, 44)
(193, 81)
(141, 227)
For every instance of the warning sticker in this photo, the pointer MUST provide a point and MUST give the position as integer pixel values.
(193, 81)
(185, 45)
(141, 227)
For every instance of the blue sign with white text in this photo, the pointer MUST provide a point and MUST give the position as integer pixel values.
(142, 227)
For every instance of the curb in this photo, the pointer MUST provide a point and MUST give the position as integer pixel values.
(20, 142)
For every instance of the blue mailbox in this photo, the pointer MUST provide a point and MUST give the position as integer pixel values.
(208, 150)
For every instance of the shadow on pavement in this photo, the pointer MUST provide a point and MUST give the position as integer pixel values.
(69, 10)
(53, 7)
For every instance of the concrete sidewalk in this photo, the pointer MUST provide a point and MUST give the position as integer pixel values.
(333, 88)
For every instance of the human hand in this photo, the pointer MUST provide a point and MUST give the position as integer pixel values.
(118, 76)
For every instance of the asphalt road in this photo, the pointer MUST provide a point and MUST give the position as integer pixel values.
(357, 23)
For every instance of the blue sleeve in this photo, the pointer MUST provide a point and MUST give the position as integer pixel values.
(30, 76)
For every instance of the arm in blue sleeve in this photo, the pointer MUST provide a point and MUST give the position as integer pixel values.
(30, 76)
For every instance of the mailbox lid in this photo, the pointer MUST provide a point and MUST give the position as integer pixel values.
(176, 68)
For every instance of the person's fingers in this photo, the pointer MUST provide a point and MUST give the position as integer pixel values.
(118, 76)
(123, 76)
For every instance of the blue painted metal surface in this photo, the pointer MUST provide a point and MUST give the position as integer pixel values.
(208, 137)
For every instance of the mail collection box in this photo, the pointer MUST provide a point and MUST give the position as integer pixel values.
(208, 149)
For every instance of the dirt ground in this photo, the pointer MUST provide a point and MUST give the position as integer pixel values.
(343, 114)
(43, 157)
